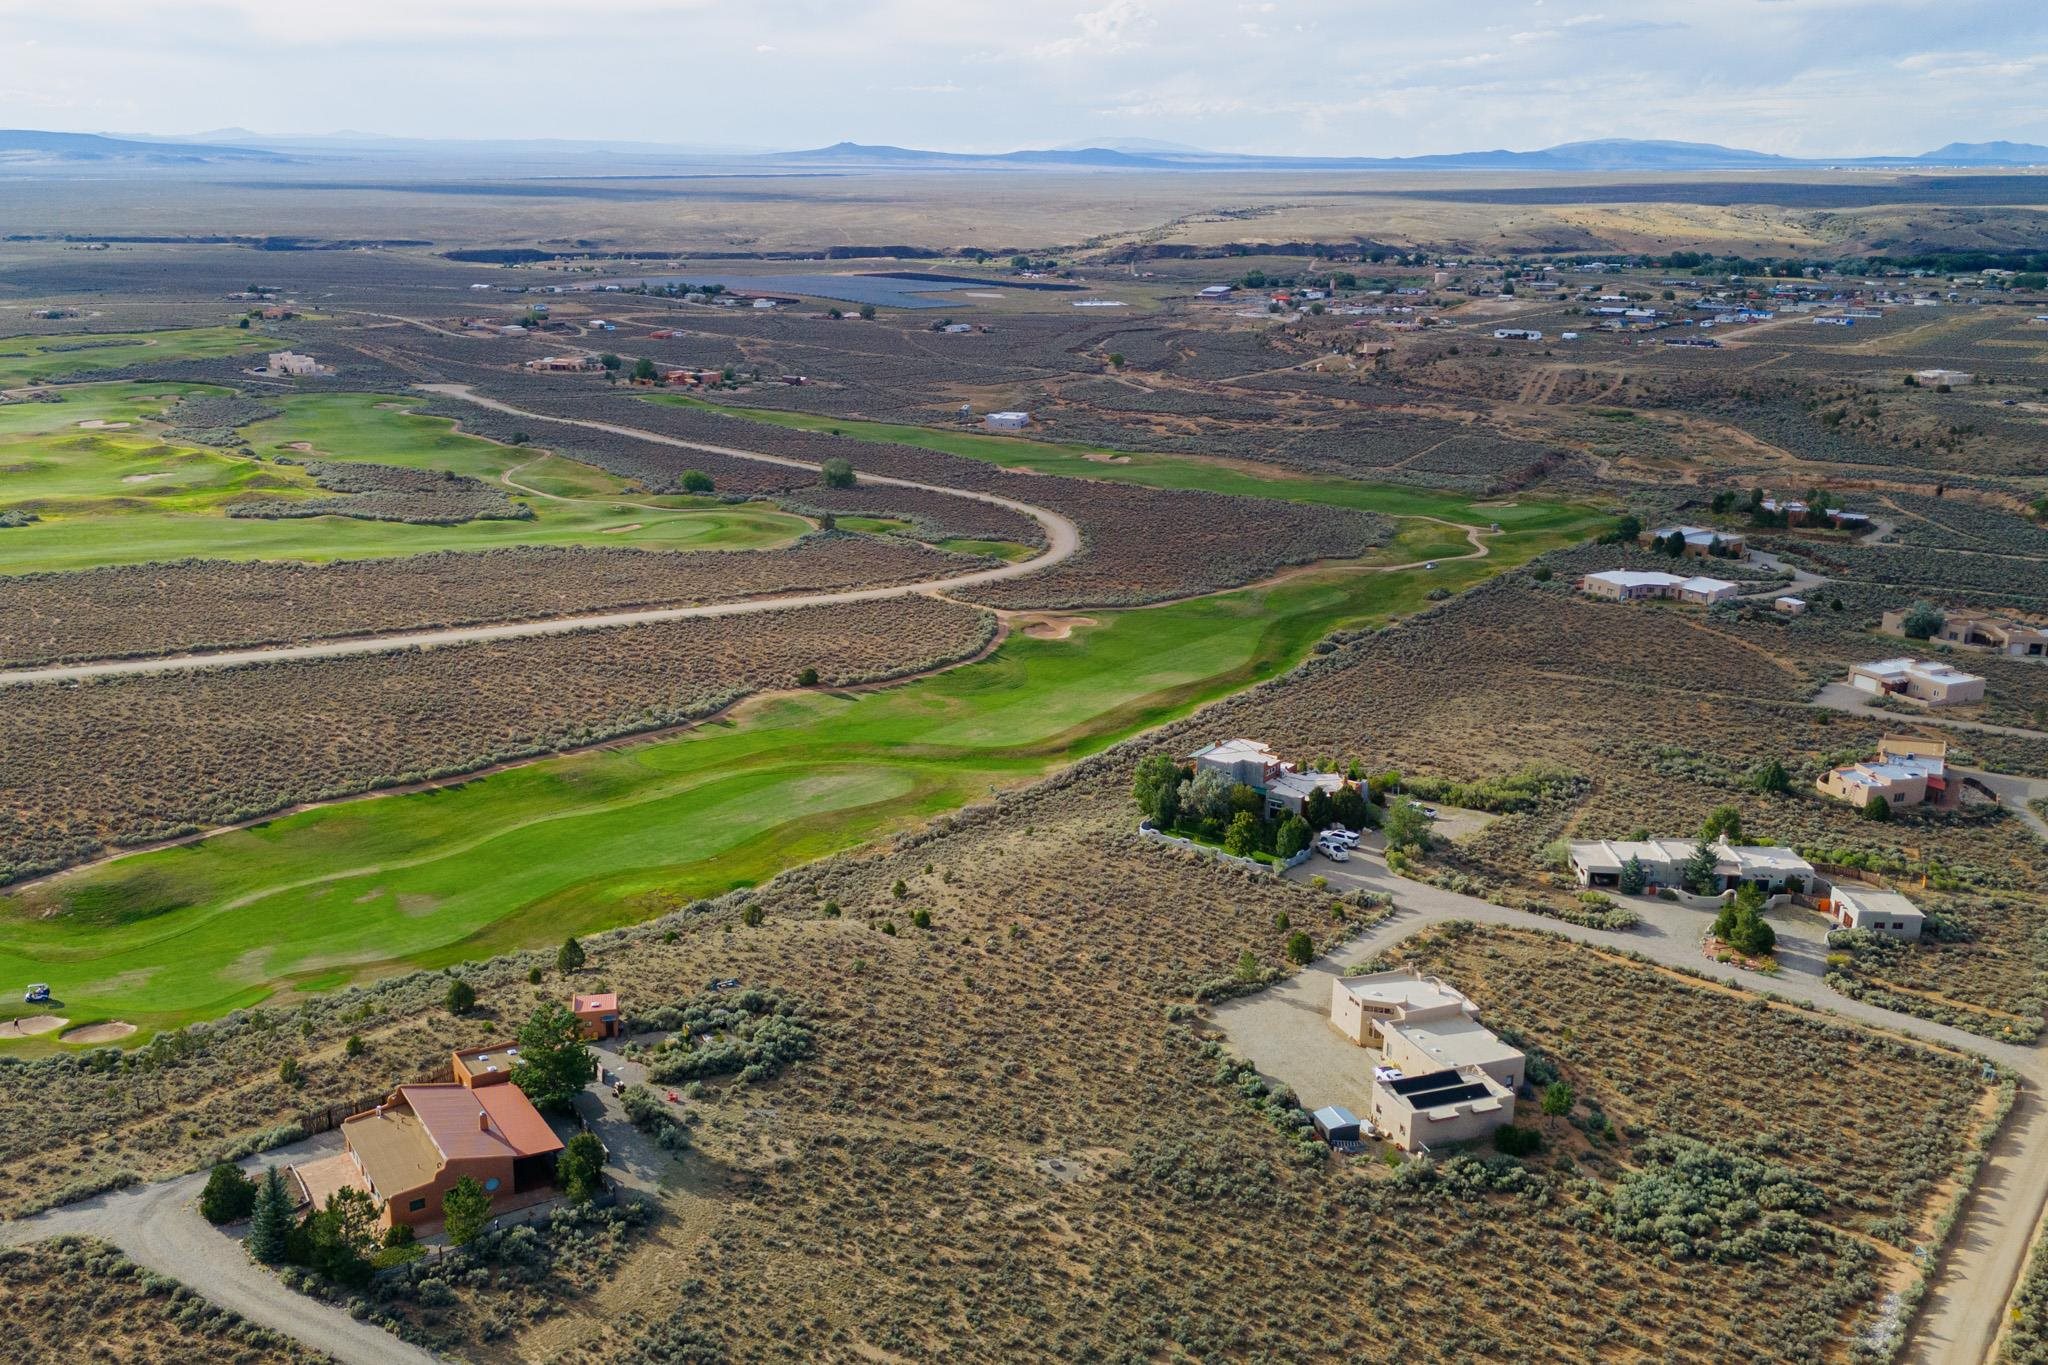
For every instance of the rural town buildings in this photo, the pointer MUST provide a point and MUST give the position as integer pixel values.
(1973, 629)
(1905, 772)
(1443, 1076)
(1791, 606)
(1922, 680)
(1879, 911)
(1599, 864)
(1955, 379)
(1007, 421)
(563, 364)
(1361, 1007)
(1637, 585)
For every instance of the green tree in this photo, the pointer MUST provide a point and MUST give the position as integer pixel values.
(1742, 926)
(609, 361)
(229, 1195)
(1771, 779)
(643, 369)
(554, 1060)
(1301, 949)
(696, 481)
(1246, 799)
(1922, 621)
(579, 1170)
(570, 957)
(465, 1209)
(1292, 836)
(838, 473)
(355, 1046)
(1634, 876)
(1242, 835)
(270, 1224)
(1406, 826)
(461, 997)
(342, 1235)
(1315, 810)
(1156, 772)
(1698, 872)
(807, 677)
(1558, 1099)
(1877, 808)
(867, 312)
(1350, 809)
(290, 1072)
(1723, 822)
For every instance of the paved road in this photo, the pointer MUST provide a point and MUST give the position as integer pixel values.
(159, 1226)
(1063, 540)
(1961, 1314)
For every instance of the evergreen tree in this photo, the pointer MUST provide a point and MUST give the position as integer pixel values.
(1772, 778)
(1697, 874)
(554, 1061)
(228, 1195)
(571, 957)
(465, 1209)
(579, 1170)
(271, 1222)
(1634, 876)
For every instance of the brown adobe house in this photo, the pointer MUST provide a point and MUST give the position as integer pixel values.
(409, 1151)
(598, 1014)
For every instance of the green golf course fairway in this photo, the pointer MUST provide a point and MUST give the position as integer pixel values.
(359, 889)
(120, 494)
(29, 359)
(1207, 473)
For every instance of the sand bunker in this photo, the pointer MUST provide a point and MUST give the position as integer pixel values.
(99, 1033)
(1052, 627)
(31, 1026)
(101, 424)
(304, 446)
(621, 530)
(1097, 457)
(148, 478)
(982, 293)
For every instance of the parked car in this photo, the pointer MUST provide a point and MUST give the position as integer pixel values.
(1430, 565)
(37, 994)
(1430, 811)
(1341, 835)
(1334, 851)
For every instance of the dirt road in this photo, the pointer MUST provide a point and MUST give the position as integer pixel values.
(1063, 540)
(1961, 1314)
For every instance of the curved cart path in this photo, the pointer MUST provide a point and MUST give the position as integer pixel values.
(1063, 541)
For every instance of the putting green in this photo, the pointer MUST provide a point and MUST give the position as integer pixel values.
(109, 490)
(351, 891)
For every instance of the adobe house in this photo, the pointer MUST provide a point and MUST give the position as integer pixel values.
(1363, 1007)
(598, 1014)
(1440, 1107)
(490, 1064)
(410, 1151)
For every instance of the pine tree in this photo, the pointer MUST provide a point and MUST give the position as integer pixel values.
(571, 957)
(272, 1220)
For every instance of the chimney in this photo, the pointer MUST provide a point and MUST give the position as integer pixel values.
(483, 1120)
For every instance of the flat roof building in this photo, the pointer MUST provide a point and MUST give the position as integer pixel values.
(1905, 772)
(1361, 1007)
(2008, 635)
(1435, 1109)
(1454, 1043)
(490, 1064)
(1007, 421)
(1923, 680)
(598, 1014)
(1700, 540)
(1878, 911)
(1641, 585)
(1599, 864)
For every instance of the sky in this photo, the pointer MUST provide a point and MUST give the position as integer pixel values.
(1313, 77)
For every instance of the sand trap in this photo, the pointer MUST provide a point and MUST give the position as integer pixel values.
(31, 1026)
(1097, 458)
(1053, 627)
(148, 478)
(99, 1033)
(305, 445)
(101, 424)
(621, 530)
(982, 293)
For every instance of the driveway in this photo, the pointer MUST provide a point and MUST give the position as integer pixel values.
(637, 1163)
(1961, 1314)
(159, 1226)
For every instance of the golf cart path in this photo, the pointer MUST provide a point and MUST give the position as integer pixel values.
(1960, 1317)
(158, 1226)
(1063, 541)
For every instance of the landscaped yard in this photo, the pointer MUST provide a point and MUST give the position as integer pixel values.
(29, 359)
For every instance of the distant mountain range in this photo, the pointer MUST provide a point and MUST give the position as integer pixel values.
(1606, 154)
(23, 147)
(24, 150)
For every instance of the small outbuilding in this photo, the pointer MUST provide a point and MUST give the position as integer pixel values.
(1335, 1123)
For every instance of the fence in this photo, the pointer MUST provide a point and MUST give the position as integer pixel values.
(1146, 830)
